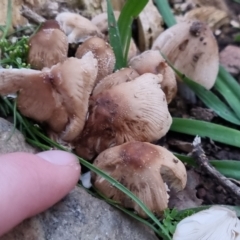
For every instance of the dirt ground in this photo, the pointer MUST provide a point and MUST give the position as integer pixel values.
(207, 190)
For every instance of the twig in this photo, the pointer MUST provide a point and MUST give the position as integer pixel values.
(202, 161)
(31, 15)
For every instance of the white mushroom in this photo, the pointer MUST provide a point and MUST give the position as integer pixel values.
(215, 223)
(76, 27)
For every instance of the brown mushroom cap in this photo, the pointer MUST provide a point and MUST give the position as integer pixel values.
(131, 111)
(48, 46)
(144, 169)
(151, 61)
(74, 80)
(56, 96)
(192, 49)
(76, 27)
(118, 77)
(102, 52)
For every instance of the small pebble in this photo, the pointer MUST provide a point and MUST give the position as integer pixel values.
(235, 24)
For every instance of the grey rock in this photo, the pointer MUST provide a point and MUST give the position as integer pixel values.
(79, 216)
(12, 141)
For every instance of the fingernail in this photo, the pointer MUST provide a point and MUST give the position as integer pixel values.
(59, 157)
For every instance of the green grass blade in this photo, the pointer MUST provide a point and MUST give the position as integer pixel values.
(14, 120)
(203, 207)
(38, 144)
(4, 109)
(130, 10)
(229, 168)
(210, 100)
(216, 132)
(233, 100)
(20, 119)
(229, 79)
(9, 19)
(165, 11)
(186, 159)
(115, 38)
(229, 88)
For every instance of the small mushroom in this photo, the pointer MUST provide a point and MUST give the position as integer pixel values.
(118, 77)
(103, 53)
(131, 111)
(151, 61)
(48, 46)
(192, 49)
(145, 169)
(76, 27)
(57, 96)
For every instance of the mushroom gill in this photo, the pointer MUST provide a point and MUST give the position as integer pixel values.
(131, 111)
(144, 169)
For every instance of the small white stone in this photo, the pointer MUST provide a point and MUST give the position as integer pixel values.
(235, 24)
(86, 179)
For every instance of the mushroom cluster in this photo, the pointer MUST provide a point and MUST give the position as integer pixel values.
(111, 118)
